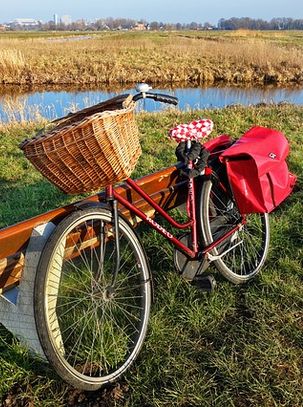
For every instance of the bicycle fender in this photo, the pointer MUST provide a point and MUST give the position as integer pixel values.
(218, 144)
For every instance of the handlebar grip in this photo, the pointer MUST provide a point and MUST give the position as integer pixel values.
(159, 97)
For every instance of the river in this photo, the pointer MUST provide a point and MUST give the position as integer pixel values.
(16, 104)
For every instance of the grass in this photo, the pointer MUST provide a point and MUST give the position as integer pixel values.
(240, 346)
(241, 57)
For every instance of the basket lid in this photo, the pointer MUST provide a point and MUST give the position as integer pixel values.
(110, 106)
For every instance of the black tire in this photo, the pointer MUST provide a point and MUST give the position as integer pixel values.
(90, 334)
(246, 250)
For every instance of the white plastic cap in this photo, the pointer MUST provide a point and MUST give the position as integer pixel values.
(143, 87)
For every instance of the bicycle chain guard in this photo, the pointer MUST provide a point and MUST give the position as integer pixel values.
(188, 268)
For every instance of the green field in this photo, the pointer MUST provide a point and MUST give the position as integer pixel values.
(239, 346)
(197, 57)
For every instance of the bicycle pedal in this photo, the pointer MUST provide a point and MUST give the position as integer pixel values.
(204, 283)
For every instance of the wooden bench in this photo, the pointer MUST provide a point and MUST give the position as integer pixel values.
(164, 186)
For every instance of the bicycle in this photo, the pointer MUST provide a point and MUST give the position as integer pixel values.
(93, 285)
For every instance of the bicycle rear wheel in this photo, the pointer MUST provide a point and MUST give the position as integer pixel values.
(246, 250)
(90, 333)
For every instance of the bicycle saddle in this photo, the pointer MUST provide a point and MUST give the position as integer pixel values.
(194, 131)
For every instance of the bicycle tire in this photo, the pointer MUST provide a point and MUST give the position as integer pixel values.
(246, 250)
(89, 334)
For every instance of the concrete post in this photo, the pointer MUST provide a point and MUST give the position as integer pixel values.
(17, 304)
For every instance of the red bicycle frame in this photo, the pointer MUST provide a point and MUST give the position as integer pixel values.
(194, 252)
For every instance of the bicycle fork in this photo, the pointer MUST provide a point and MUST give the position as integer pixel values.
(115, 219)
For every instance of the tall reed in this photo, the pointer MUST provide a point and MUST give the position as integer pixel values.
(171, 57)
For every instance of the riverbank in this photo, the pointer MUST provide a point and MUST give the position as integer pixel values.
(239, 346)
(112, 58)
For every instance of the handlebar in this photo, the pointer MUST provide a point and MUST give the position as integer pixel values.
(158, 97)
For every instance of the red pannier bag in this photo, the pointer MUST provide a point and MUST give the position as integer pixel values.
(257, 170)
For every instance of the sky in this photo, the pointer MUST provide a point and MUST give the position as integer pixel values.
(184, 11)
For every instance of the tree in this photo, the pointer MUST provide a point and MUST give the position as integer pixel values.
(154, 25)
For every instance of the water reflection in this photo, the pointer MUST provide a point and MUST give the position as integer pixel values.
(27, 104)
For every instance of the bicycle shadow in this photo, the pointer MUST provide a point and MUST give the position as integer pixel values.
(34, 375)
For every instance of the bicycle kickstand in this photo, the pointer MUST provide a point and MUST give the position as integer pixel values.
(204, 283)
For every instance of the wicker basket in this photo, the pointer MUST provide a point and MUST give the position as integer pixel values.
(86, 151)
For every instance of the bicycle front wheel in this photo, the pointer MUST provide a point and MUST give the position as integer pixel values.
(89, 331)
(241, 256)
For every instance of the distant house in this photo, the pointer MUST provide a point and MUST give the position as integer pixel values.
(140, 27)
(24, 23)
(2, 27)
(66, 20)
